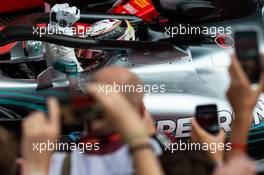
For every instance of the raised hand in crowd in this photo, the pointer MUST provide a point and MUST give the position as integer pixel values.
(38, 128)
(236, 166)
(199, 135)
(243, 98)
(125, 120)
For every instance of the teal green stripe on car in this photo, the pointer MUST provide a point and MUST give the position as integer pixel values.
(27, 105)
(256, 140)
(45, 91)
(55, 93)
(255, 133)
(4, 93)
(257, 126)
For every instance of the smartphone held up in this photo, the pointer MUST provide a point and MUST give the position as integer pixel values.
(79, 109)
(207, 117)
(247, 51)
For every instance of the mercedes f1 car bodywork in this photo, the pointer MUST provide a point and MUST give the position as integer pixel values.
(192, 75)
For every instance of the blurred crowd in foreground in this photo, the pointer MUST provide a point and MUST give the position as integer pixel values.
(127, 139)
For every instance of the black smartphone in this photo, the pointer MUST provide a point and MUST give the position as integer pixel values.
(247, 51)
(79, 109)
(206, 116)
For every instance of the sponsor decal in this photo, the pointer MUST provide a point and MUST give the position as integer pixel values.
(141, 3)
(181, 127)
(130, 9)
(225, 41)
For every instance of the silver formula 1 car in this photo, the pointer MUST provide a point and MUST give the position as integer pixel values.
(192, 74)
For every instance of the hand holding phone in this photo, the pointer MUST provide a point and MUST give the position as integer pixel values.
(79, 109)
(206, 116)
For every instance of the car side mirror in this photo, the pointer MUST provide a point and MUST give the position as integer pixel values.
(68, 67)
(44, 79)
